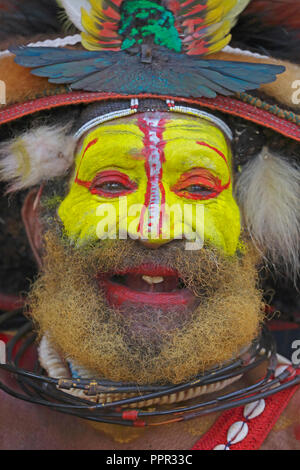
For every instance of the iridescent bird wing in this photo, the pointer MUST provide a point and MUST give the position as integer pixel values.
(169, 73)
(205, 25)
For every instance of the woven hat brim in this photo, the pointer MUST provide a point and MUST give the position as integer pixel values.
(227, 105)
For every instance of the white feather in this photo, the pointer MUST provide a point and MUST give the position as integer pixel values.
(268, 192)
(35, 156)
(73, 10)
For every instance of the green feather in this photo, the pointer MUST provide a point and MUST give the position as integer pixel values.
(142, 19)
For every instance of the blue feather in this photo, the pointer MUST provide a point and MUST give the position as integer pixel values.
(38, 56)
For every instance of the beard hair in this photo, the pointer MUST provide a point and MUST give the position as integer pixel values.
(66, 304)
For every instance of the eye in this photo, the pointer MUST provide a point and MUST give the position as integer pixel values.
(198, 183)
(198, 189)
(111, 187)
(112, 183)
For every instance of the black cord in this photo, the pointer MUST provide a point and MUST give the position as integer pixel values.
(46, 391)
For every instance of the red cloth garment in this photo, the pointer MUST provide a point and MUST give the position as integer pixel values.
(236, 430)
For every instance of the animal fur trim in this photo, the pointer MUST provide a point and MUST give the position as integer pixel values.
(22, 86)
(268, 193)
(282, 89)
(35, 156)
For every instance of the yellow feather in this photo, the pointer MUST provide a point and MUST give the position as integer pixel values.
(90, 24)
(221, 33)
(89, 43)
(220, 44)
(240, 6)
(218, 13)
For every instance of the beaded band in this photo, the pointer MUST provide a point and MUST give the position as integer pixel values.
(134, 104)
(106, 117)
(202, 114)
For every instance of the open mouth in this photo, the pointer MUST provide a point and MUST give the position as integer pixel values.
(147, 285)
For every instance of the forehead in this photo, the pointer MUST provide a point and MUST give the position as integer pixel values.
(138, 127)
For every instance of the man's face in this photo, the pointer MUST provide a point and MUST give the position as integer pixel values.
(157, 163)
(143, 305)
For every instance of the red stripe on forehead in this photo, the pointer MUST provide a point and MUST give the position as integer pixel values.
(153, 128)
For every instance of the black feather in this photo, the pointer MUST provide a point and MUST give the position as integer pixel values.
(254, 34)
(28, 18)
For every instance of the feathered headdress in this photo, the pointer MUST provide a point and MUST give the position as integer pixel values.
(149, 46)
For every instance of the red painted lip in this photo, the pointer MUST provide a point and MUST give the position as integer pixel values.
(137, 292)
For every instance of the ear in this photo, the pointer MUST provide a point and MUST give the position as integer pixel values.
(32, 223)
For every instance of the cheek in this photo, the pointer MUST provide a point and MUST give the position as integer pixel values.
(218, 220)
(78, 213)
(87, 218)
(222, 223)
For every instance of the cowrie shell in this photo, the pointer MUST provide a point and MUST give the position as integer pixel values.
(279, 370)
(237, 432)
(252, 410)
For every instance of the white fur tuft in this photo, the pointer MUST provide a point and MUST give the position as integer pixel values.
(35, 156)
(268, 192)
(73, 10)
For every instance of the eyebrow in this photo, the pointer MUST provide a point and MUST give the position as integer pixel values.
(90, 144)
(221, 154)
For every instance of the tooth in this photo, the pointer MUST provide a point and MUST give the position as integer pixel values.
(153, 280)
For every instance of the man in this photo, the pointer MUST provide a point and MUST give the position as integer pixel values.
(140, 197)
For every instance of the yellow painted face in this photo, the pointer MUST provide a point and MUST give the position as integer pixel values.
(154, 176)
